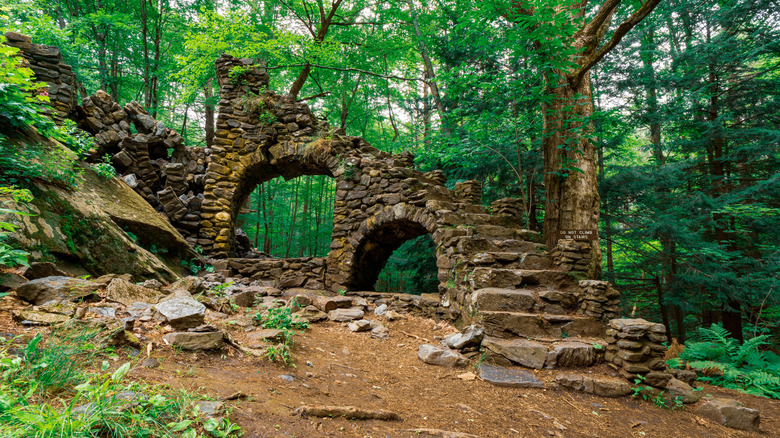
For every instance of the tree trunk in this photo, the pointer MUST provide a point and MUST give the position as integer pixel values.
(572, 199)
(209, 112)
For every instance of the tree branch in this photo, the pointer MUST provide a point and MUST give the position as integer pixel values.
(589, 61)
(353, 70)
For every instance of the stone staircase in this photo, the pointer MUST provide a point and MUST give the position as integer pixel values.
(532, 314)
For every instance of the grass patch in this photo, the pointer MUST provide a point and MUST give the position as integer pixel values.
(63, 387)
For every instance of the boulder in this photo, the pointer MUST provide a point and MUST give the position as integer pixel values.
(730, 413)
(508, 377)
(86, 228)
(520, 351)
(571, 354)
(380, 309)
(244, 298)
(470, 336)
(345, 315)
(122, 291)
(182, 313)
(60, 288)
(444, 357)
(196, 340)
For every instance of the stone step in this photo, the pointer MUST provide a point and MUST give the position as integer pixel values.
(511, 300)
(486, 230)
(483, 277)
(561, 353)
(511, 260)
(503, 324)
(532, 300)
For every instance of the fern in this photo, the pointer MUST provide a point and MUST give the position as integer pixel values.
(721, 360)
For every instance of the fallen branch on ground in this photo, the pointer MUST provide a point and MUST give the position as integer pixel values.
(348, 412)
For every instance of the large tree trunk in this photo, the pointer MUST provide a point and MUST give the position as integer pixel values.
(572, 198)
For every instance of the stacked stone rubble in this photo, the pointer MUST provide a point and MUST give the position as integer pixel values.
(599, 300)
(469, 191)
(634, 348)
(571, 255)
(46, 62)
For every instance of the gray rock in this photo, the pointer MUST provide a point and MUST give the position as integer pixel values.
(122, 291)
(105, 312)
(42, 269)
(730, 413)
(244, 298)
(392, 315)
(10, 280)
(196, 340)
(182, 313)
(261, 338)
(36, 317)
(380, 332)
(571, 354)
(361, 325)
(508, 377)
(47, 289)
(470, 336)
(686, 394)
(380, 310)
(150, 362)
(210, 408)
(153, 284)
(312, 314)
(444, 357)
(520, 351)
(193, 285)
(345, 315)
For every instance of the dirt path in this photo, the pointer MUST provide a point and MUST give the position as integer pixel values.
(333, 366)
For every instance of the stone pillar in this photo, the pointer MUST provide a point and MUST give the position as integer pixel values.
(634, 349)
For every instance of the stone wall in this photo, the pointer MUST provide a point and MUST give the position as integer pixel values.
(46, 62)
(571, 255)
(305, 272)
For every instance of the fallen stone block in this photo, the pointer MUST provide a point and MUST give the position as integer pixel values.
(58, 288)
(196, 340)
(470, 336)
(520, 351)
(182, 313)
(730, 413)
(346, 315)
(444, 357)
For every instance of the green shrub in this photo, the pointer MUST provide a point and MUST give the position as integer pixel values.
(10, 256)
(49, 391)
(723, 361)
(280, 318)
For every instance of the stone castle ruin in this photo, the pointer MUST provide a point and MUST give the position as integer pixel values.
(491, 272)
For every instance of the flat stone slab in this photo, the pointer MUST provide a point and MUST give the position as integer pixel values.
(124, 292)
(59, 288)
(346, 315)
(182, 313)
(196, 340)
(34, 317)
(433, 355)
(730, 413)
(508, 377)
(520, 351)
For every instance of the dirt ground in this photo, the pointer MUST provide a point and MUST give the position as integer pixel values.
(334, 366)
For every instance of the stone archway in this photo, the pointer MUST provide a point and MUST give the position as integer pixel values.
(376, 239)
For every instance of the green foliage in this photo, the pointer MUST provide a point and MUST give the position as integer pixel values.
(49, 390)
(105, 168)
(723, 361)
(280, 318)
(411, 268)
(10, 256)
